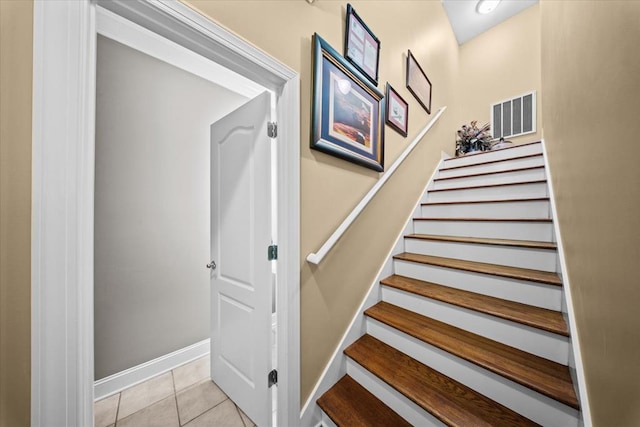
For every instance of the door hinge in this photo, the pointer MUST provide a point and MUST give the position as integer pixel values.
(273, 377)
(272, 129)
(272, 252)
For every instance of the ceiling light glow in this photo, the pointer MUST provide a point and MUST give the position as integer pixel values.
(486, 6)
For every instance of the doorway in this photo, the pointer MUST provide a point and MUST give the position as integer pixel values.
(152, 216)
(63, 380)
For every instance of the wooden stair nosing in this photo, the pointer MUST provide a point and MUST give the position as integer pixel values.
(476, 187)
(497, 151)
(535, 317)
(426, 218)
(347, 403)
(490, 161)
(473, 175)
(531, 199)
(484, 268)
(531, 244)
(541, 375)
(446, 399)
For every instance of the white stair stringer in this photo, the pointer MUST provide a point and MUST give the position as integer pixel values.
(493, 178)
(533, 189)
(523, 291)
(526, 161)
(532, 340)
(524, 208)
(513, 256)
(529, 403)
(541, 231)
(395, 400)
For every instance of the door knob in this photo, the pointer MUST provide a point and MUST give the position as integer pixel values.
(212, 265)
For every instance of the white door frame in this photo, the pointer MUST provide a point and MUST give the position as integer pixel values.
(64, 77)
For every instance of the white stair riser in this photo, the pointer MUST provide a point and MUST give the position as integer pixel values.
(494, 178)
(531, 293)
(532, 340)
(531, 404)
(523, 162)
(395, 400)
(514, 230)
(506, 192)
(535, 259)
(529, 210)
(509, 153)
(326, 421)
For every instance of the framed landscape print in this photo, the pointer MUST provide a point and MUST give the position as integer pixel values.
(397, 111)
(348, 111)
(418, 83)
(361, 46)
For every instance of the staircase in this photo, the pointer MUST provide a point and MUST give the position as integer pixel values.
(469, 330)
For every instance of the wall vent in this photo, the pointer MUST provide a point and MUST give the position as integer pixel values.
(514, 117)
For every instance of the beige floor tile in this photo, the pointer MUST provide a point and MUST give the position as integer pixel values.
(246, 420)
(142, 395)
(196, 400)
(105, 410)
(225, 414)
(191, 373)
(160, 414)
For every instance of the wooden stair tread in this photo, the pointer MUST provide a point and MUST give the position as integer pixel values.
(481, 267)
(488, 173)
(544, 376)
(485, 241)
(446, 399)
(474, 187)
(347, 403)
(464, 202)
(536, 317)
(445, 168)
(484, 219)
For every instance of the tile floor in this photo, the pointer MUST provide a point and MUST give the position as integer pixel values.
(186, 396)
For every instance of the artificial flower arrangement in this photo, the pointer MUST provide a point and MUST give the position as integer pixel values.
(473, 138)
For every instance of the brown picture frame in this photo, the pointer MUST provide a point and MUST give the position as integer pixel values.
(397, 111)
(418, 83)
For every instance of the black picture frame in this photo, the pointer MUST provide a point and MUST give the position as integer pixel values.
(397, 111)
(361, 46)
(347, 112)
(418, 83)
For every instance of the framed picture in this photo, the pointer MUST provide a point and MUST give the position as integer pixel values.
(418, 83)
(397, 111)
(348, 111)
(361, 47)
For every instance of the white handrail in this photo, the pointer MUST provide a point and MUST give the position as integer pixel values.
(316, 258)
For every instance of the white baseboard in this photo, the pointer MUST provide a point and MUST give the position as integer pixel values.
(310, 414)
(132, 376)
(577, 374)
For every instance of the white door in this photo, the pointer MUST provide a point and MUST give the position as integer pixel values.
(240, 236)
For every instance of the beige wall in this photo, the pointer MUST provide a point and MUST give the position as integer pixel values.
(15, 211)
(501, 63)
(590, 77)
(330, 187)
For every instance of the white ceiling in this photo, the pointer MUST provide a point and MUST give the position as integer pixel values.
(467, 23)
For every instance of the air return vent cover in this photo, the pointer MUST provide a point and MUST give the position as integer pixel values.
(514, 117)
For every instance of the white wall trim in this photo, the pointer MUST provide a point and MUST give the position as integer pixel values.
(126, 32)
(575, 340)
(62, 194)
(121, 380)
(310, 414)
